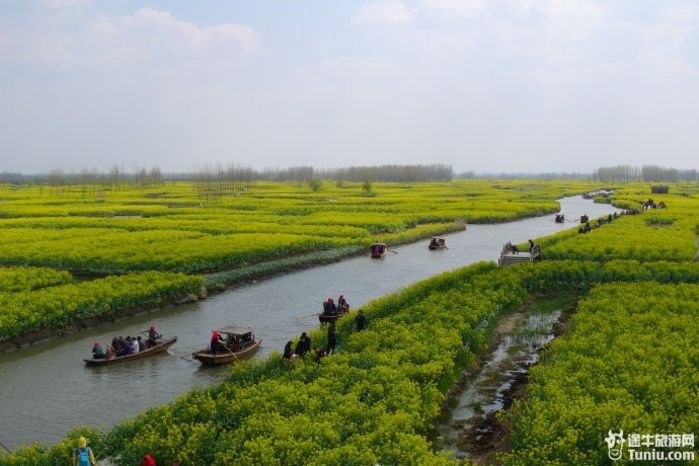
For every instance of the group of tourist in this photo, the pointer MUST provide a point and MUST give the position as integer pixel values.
(83, 456)
(121, 346)
(303, 346)
(230, 344)
(589, 225)
(332, 309)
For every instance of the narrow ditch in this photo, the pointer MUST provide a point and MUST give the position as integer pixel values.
(469, 426)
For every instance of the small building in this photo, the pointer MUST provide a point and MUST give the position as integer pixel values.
(660, 189)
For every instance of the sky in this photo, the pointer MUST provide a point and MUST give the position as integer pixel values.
(482, 85)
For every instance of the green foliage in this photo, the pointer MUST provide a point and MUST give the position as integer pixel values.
(170, 227)
(582, 275)
(265, 269)
(60, 306)
(628, 363)
(30, 278)
(59, 454)
(652, 235)
(370, 403)
(315, 184)
(374, 401)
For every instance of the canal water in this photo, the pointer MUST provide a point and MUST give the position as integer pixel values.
(46, 389)
(472, 427)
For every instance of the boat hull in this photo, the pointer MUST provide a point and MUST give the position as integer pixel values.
(161, 347)
(207, 358)
(326, 318)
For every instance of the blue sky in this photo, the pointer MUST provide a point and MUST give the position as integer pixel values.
(499, 85)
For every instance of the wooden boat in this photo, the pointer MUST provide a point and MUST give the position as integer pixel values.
(437, 243)
(327, 318)
(162, 346)
(240, 340)
(378, 250)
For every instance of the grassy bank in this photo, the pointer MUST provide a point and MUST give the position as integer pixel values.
(387, 382)
(36, 313)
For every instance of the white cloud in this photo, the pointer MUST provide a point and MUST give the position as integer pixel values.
(457, 7)
(569, 83)
(167, 31)
(84, 39)
(390, 12)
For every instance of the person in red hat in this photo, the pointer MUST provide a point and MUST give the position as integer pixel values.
(216, 342)
(329, 307)
(153, 336)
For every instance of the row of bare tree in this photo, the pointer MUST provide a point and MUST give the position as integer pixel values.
(644, 173)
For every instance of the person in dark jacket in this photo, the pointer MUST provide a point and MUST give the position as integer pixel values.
(304, 345)
(121, 347)
(217, 343)
(153, 336)
(320, 354)
(332, 338)
(360, 321)
(97, 351)
(128, 345)
(329, 307)
(288, 350)
(531, 246)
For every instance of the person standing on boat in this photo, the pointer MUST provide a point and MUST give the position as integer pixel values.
(97, 351)
(332, 338)
(217, 343)
(360, 321)
(153, 336)
(82, 456)
(141, 345)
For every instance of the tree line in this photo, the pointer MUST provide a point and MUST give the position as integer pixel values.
(644, 173)
(237, 177)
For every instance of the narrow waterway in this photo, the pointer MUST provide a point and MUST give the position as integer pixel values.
(45, 390)
(471, 426)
